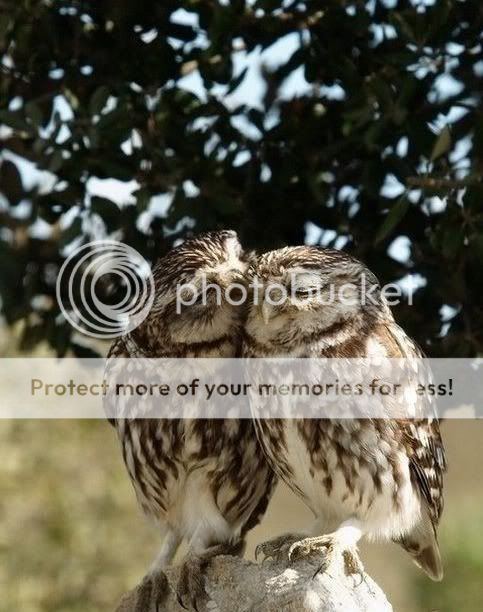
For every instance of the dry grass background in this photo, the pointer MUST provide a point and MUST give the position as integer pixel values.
(72, 537)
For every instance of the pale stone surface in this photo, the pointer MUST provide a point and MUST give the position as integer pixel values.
(235, 585)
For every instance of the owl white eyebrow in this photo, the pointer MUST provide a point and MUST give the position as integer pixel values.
(309, 280)
(232, 263)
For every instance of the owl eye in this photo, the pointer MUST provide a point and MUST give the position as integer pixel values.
(305, 292)
(236, 293)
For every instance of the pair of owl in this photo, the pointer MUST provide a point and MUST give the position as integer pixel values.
(208, 482)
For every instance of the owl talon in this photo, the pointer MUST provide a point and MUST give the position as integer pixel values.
(276, 548)
(332, 551)
(310, 547)
(353, 565)
(262, 553)
(191, 585)
(191, 593)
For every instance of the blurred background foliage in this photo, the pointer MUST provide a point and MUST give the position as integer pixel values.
(73, 538)
(349, 123)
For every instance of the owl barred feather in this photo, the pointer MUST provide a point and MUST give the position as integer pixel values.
(205, 481)
(374, 477)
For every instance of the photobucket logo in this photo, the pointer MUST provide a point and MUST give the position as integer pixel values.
(105, 288)
(298, 288)
(208, 292)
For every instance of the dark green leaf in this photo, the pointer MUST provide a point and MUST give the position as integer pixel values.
(442, 144)
(70, 233)
(453, 242)
(394, 217)
(14, 120)
(56, 161)
(11, 182)
(107, 210)
(34, 114)
(236, 82)
(6, 23)
(143, 197)
(98, 100)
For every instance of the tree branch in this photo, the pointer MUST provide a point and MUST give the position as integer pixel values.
(429, 182)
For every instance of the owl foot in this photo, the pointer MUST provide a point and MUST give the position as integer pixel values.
(148, 595)
(191, 592)
(352, 563)
(277, 548)
(332, 550)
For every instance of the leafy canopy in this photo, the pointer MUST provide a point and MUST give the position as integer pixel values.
(344, 122)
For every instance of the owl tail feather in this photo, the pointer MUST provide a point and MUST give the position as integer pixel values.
(423, 547)
(429, 560)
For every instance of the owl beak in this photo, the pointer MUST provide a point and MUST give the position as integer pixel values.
(266, 312)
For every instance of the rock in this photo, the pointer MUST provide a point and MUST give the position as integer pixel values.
(236, 585)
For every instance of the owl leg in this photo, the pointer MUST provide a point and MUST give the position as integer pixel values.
(337, 547)
(191, 592)
(154, 587)
(170, 545)
(277, 548)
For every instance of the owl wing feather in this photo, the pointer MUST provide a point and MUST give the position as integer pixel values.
(423, 444)
(422, 439)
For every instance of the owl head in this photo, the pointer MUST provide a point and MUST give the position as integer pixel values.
(196, 287)
(300, 291)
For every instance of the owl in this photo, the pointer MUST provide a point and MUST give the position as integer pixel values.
(203, 481)
(376, 477)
